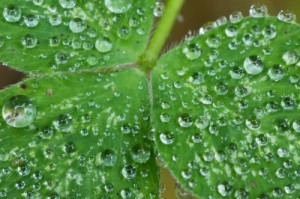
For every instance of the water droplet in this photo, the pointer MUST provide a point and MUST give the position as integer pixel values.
(19, 111)
(248, 39)
(261, 140)
(67, 3)
(64, 123)
(231, 31)
(213, 41)
(202, 122)
(185, 120)
(253, 123)
(192, 51)
(236, 72)
(124, 32)
(70, 147)
(77, 25)
(288, 103)
(126, 193)
(269, 32)
(118, 6)
(164, 117)
(103, 44)
(61, 58)
(286, 16)
(129, 172)
(241, 193)
(236, 17)
(55, 20)
(241, 91)
(24, 170)
(20, 185)
(224, 189)
(38, 2)
(296, 126)
(258, 10)
(276, 72)
(46, 132)
(31, 20)
(282, 152)
(221, 89)
(166, 137)
(12, 13)
(109, 158)
(54, 41)
(290, 57)
(140, 153)
(29, 41)
(253, 65)
(159, 9)
(197, 138)
(289, 189)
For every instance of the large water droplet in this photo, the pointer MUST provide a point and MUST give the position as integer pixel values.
(269, 32)
(129, 172)
(12, 13)
(140, 153)
(185, 120)
(64, 123)
(253, 65)
(109, 158)
(236, 17)
(166, 137)
(77, 25)
(103, 44)
(276, 72)
(31, 20)
(258, 10)
(290, 57)
(67, 3)
(118, 6)
(29, 41)
(192, 51)
(19, 111)
(286, 16)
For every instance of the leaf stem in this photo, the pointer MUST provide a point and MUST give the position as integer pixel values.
(165, 24)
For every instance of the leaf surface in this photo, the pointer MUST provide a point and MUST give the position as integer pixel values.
(72, 35)
(226, 110)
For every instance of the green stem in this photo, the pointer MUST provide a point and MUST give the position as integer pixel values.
(161, 33)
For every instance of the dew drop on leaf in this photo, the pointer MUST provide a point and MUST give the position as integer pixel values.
(103, 44)
(253, 65)
(61, 58)
(224, 189)
(236, 17)
(38, 2)
(64, 123)
(258, 10)
(276, 73)
(19, 111)
(128, 172)
(118, 6)
(67, 3)
(290, 57)
(12, 13)
(192, 51)
(166, 137)
(29, 41)
(159, 9)
(140, 153)
(77, 25)
(55, 20)
(31, 20)
(185, 120)
(109, 158)
(286, 16)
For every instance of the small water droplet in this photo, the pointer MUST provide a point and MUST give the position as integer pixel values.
(129, 172)
(231, 31)
(64, 123)
(29, 41)
(288, 103)
(166, 137)
(118, 6)
(236, 17)
(109, 158)
(159, 9)
(61, 58)
(258, 10)
(221, 89)
(296, 126)
(276, 72)
(12, 13)
(224, 189)
(126, 193)
(253, 65)
(24, 170)
(103, 44)
(253, 123)
(19, 111)
(140, 153)
(77, 25)
(286, 16)
(202, 122)
(241, 193)
(185, 120)
(213, 41)
(55, 20)
(38, 2)
(31, 20)
(68, 4)
(290, 57)
(192, 51)
(269, 32)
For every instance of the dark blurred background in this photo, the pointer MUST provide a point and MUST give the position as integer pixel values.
(194, 14)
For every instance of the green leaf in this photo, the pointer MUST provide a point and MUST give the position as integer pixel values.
(226, 110)
(70, 35)
(89, 137)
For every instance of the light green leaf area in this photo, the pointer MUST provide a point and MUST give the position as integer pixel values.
(70, 35)
(226, 110)
(78, 136)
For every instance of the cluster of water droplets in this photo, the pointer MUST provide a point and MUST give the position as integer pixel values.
(230, 101)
